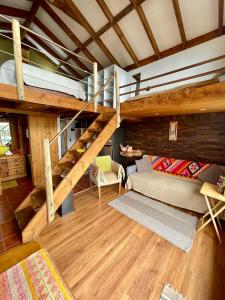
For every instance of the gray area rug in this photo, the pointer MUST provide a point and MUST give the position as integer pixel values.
(175, 226)
(169, 293)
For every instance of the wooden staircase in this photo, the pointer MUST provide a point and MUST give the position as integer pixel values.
(32, 215)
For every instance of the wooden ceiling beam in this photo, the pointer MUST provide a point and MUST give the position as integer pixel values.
(118, 30)
(15, 12)
(180, 23)
(220, 16)
(69, 32)
(26, 112)
(191, 43)
(5, 26)
(40, 42)
(146, 26)
(55, 39)
(82, 20)
(34, 8)
(107, 26)
(187, 100)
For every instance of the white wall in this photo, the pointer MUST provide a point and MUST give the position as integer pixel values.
(187, 57)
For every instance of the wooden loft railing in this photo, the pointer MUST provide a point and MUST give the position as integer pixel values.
(17, 54)
(150, 87)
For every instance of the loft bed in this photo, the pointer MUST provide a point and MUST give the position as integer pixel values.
(35, 84)
(41, 78)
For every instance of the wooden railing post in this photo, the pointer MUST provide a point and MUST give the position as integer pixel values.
(117, 83)
(95, 74)
(18, 58)
(48, 180)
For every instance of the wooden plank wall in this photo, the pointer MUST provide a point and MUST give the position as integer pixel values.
(40, 128)
(201, 137)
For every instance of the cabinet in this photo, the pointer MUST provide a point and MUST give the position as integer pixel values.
(13, 166)
(107, 96)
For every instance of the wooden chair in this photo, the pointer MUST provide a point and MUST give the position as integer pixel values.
(104, 171)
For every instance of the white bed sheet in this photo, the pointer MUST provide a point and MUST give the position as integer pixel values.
(41, 78)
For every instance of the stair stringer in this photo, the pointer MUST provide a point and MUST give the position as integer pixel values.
(66, 157)
(39, 221)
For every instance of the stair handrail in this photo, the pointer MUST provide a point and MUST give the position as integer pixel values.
(80, 111)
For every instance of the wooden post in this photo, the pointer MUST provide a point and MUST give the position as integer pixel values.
(48, 180)
(18, 58)
(95, 74)
(117, 82)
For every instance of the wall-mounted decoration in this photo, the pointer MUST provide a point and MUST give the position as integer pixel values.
(173, 131)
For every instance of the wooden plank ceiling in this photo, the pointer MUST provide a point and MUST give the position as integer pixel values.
(129, 33)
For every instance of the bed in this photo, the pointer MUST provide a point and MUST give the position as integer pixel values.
(36, 77)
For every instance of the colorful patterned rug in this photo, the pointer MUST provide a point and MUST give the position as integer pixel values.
(33, 278)
(178, 167)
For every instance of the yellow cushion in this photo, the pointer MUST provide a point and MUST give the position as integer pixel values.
(104, 163)
(14, 255)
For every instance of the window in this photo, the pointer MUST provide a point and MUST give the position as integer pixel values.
(5, 135)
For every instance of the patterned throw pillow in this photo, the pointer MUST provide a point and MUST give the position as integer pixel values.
(179, 167)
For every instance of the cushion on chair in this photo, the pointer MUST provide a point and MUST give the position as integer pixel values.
(109, 177)
(104, 163)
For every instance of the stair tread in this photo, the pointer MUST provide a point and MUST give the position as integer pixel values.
(38, 198)
(56, 179)
(24, 216)
(87, 139)
(94, 130)
(66, 165)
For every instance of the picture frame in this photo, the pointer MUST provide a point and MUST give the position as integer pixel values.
(173, 131)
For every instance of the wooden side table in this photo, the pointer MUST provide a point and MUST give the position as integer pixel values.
(216, 205)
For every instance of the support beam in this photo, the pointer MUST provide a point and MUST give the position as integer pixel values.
(106, 27)
(69, 32)
(220, 16)
(191, 43)
(43, 97)
(117, 82)
(34, 8)
(26, 112)
(95, 75)
(48, 180)
(118, 30)
(53, 53)
(75, 11)
(180, 24)
(14, 12)
(146, 26)
(55, 39)
(18, 59)
(187, 100)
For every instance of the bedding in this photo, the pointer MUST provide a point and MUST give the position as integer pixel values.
(169, 189)
(35, 277)
(173, 181)
(36, 77)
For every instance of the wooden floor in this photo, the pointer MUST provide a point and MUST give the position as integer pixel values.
(103, 255)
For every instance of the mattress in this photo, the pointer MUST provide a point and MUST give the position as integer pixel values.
(169, 189)
(36, 77)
